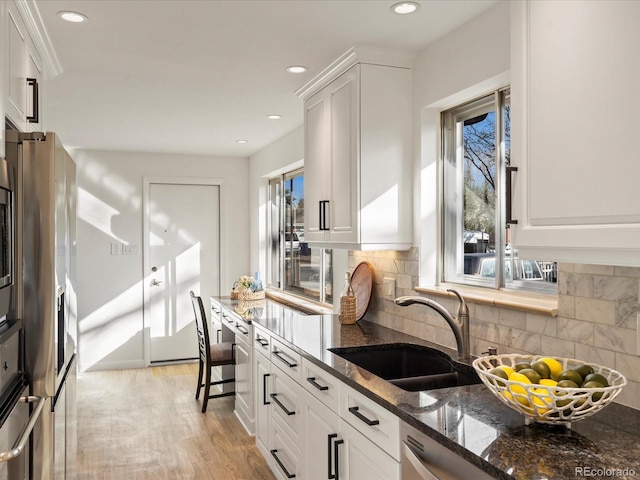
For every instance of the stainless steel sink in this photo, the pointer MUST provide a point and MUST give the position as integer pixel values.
(410, 367)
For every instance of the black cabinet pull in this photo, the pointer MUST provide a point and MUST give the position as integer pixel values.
(356, 412)
(330, 437)
(508, 195)
(281, 465)
(278, 355)
(336, 458)
(34, 117)
(264, 389)
(262, 342)
(241, 329)
(320, 215)
(274, 397)
(323, 215)
(312, 381)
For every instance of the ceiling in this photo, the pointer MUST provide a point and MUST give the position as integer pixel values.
(194, 77)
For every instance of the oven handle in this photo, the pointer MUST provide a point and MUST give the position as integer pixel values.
(24, 438)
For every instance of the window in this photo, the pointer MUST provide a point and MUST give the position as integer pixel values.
(476, 236)
(293, 265)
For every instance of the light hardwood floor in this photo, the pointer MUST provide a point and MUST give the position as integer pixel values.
(146, 424)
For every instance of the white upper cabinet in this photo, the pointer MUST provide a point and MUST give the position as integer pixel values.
(357, 170)
(574, 123)
(26, 60)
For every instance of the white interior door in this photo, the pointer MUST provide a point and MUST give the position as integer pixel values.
(183, 245)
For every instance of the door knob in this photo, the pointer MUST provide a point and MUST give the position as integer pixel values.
(155, 283)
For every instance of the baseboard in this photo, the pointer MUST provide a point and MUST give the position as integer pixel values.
(121, 365)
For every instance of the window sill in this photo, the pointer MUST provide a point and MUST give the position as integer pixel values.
(293, 301)
(526, 302)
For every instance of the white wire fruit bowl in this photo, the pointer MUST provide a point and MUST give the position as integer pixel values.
(544, 403)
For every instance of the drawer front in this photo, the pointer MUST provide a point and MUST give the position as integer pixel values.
(285, 459)
(372, 420)
(321, 384)
(261, 341)
(286, 402)
(286, 359)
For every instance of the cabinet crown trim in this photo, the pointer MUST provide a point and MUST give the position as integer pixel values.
(40, 37)
(356, 54)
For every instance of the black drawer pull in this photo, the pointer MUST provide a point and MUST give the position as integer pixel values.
(356, 412)
(241, 329)
(264, 389)
(278, 355)
(262, 342)
(274, 397)
(284, 469)
(34, 117)
(312, 381)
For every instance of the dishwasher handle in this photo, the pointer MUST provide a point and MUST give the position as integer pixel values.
(421, 470)
(24, 437)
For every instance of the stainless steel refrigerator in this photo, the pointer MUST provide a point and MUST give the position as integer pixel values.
(44, 294)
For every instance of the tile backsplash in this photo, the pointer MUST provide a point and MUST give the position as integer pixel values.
(598, 316)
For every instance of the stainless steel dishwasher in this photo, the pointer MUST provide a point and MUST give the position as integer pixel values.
(425, 459)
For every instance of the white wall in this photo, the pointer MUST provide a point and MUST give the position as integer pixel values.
(110, 295)
(468, 62)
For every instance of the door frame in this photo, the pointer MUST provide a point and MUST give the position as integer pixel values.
(146, 266)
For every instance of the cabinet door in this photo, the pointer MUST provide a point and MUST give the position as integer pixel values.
(16, 36)
(322, 428)
(263, 413)
(244, 400)
(574, 126)
(316, 166)
(360, 459)
(345, 125)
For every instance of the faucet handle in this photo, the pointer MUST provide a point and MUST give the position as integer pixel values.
(462, 309)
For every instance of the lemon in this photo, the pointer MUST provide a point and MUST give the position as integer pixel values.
(507, 369)
(542, 401)
(548, 382)
(519, 377)
(554, 366)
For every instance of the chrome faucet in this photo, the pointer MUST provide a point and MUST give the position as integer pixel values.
(459, 325)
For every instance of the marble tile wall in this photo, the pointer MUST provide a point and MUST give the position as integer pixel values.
(598, 316)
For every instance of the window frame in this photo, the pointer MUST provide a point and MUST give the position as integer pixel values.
(281, 180)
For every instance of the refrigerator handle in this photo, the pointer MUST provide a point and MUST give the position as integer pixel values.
(24, 437)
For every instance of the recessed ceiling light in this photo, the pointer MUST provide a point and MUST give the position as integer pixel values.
(73, 17)
(296, 69)
(274, 117)
(242, 141)
(403, 8)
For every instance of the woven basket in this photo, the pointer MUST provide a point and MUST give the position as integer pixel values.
(347, 310)
(246, 295)
(548, 404)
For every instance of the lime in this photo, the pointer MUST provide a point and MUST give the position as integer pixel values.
(542, 368)
(570, 375)
(554, 365)
(566, 384)
(584, 370)
(596, 377)
(521, 366)
(498, 372)
(531, 374)
(593, 384)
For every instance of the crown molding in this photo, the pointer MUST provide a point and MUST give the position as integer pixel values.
(40, 37)
(356, 54)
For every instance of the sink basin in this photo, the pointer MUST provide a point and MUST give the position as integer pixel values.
(410, 367)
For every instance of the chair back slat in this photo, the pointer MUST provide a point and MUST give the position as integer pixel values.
(201, 327)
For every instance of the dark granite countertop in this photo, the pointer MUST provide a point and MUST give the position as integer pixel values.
(468, 420)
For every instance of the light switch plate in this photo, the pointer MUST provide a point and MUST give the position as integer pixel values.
(115, 248)
(389, 288)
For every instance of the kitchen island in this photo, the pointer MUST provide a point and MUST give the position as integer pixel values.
(467, 420)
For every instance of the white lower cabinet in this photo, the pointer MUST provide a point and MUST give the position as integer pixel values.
(244, 382)
(301, 431)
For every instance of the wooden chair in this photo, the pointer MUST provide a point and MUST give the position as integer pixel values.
(210, 356)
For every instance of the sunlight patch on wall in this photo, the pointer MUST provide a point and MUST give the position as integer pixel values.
(96, 212)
